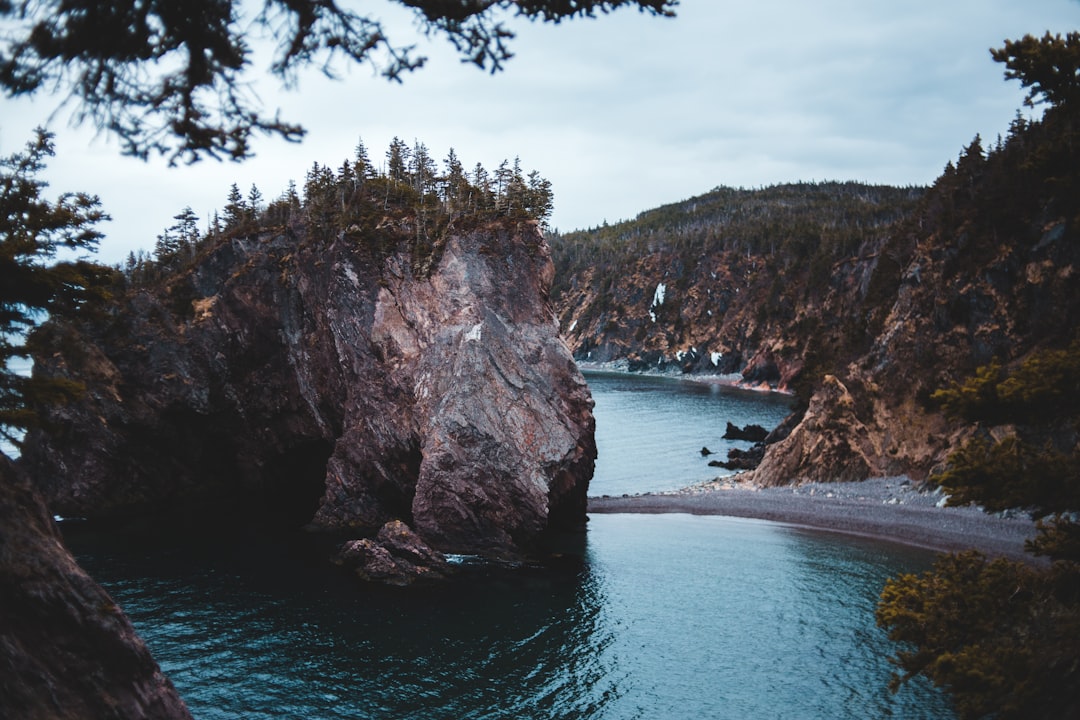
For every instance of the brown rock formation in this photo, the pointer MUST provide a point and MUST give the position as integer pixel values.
(396, 556)
(830, 444)
(66, 649)
(863, 300)
(341, 383)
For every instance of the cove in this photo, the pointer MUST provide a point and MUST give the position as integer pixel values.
(665, 616)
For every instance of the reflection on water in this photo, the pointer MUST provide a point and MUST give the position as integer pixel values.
(668, 616)
(268, 629)
(731, 618)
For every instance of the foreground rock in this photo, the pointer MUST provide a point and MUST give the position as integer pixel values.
(66, 650)
(339, 382)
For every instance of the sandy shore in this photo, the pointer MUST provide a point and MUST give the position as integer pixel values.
(887, 508)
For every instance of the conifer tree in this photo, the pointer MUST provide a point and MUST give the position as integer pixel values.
(362, 168)
(1049, 66)
(236, 210)
(540, 199)
(32, 287)
(516, 191)
(397, 160)
(254, 204)
(482, 182)
(422, 169)
(455, 185)
(178, 242)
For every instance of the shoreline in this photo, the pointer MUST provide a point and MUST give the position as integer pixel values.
(619, 367)
(890, 509)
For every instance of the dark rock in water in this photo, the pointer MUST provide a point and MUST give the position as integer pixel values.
(337, 381)
(396, 556)
(705, 452)
(66, 649)
(751, 433)
(742, 459)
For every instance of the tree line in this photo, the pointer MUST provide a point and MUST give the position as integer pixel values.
(409, 185)
(999, 635)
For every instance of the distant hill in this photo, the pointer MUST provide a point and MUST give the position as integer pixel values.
(862, 299)
(718, 283)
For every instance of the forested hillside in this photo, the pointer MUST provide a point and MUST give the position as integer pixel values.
(863, 300)
(727, 282)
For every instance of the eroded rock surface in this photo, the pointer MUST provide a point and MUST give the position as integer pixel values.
(340, 383)
(396, 556)
(66, 649)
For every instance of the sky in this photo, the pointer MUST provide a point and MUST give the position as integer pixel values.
(622, 113)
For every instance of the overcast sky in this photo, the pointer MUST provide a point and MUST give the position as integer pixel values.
(625, 112)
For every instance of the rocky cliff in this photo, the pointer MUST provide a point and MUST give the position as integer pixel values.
(864, 301)
(66, 649)
(338, 380)
(733, 282)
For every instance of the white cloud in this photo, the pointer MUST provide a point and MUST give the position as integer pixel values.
(627, 112)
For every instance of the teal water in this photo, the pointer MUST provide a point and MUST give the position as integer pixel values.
(664, 616)
(650, 429)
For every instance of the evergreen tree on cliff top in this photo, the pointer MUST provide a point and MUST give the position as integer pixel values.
(1003, 637)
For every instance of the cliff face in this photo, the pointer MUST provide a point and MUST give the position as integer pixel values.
(734, 282)
(66, 650)
(864, 323)
(340, 383)
(984, 269)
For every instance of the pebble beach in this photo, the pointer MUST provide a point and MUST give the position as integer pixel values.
(894, 509)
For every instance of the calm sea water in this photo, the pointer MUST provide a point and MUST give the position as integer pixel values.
(650, 429)
(666, 616)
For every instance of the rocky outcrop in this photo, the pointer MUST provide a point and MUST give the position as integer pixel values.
(338, 382)
(984, 270)
(66, 649)
(750, 433)
(830, 444)
(396, 556)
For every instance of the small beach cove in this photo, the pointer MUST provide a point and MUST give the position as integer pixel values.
(893, 509)
(889, 509)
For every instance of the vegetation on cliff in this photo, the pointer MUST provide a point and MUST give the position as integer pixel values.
(407, 195)
(744, 272)
(1001, 635)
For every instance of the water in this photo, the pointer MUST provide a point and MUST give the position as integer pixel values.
(650, 430)
(664, 616)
